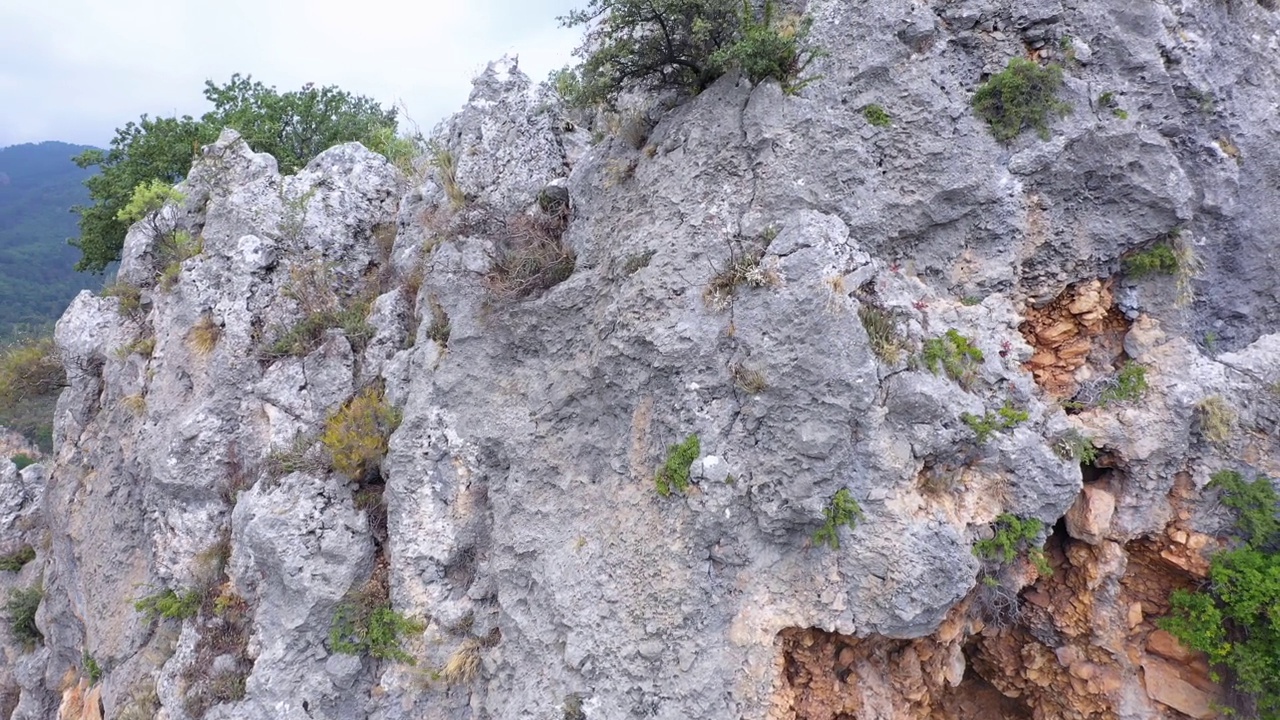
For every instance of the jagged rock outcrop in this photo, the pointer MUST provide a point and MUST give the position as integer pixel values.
(761, 271)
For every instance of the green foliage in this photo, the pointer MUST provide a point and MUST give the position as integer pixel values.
(1012, 537)
(953, 353)
(308, 333)
(674, 473)
(841, 510)
(681, 44)
(13, 562)
(92, 669)
(1159, 260)
(1075, 445)
(31, 377)
(169, 605)
(1022, 96)
(1003, 419)
(882, 332)
(293, 126)
(359, 629)
(147, 198)
(21, 608)
(1129, 384)
(22, 460)
(877, 116)
(1234, 620)
(356, 435)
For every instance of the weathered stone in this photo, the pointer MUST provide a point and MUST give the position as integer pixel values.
(1089, 517)
(1166, 686)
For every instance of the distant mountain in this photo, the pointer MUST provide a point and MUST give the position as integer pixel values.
(38, 186)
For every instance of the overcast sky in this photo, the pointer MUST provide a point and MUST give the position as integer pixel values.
(74, 70)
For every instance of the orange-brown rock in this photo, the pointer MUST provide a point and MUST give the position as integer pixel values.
(1066, 332)
(1090, 515)
(1166, 686)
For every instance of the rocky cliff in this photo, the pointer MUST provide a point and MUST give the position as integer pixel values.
(387, 446)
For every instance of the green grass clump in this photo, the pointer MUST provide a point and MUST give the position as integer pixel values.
(15, 561)
(169, 605)
(358, 629)
(877, 116)
(1075, 445)
(842, 510)
(1130, 384)
(92, 669)
(882, 333)
(1012, 537)
(22, 460)
(1235, 619)
(1003, 419)
(21, 608)
(356, 435)
(953, 353)
(1159, 260)
(308, 333)
(1022, 96)
(674, 473)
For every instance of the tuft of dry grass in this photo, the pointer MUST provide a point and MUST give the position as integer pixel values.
(747, 380)
(745, 269)
(532, 256)
(203, 337)
(135, 403)
(1217, 419)
(882, 332)
(464, 664)
(446, 166)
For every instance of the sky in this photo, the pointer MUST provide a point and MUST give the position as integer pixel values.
(74, 70)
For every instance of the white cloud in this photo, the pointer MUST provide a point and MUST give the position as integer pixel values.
(74, 70)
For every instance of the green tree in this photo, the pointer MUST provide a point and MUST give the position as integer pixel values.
(681, 44)
(293, 126)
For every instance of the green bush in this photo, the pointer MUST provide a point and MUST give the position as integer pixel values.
(308, 333)
(1129, 384)
(30, 369)
(841, 510)
(21, 609)
(681, 44)
(169, 605)
(92, 669)
(15, 561)
(674, 473)
(1005, 418)
(954, 354)
(1234, 619)
(358, 629)
(1022, 96)
(1012, 537)
(1161, 260)
(877, 116)
(356, 435)
(22, 460)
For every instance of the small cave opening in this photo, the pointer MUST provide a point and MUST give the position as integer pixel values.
(976, 698)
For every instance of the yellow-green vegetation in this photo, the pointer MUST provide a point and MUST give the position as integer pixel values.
(135, 403)
(1234, 618)
(359, 628)
(1013, 536)
(674, 473)
(92, 670)
(14, 561)
(203, 336)
(21, 460)
(323, 308)
(1217, 419)
(400, 150)
(31, 376)
(171, 251)
(1022, 96)
(1107, 101)
(446, 166)
(840, 511)
(129, 296)
(356, 435)
(169, 605)
(148, 197)
(144, 346)
(954, 354)
(877, 116)
(882, 333)
(463, 664)
(1128, 385)
(1005, 418)
(21, 609)
(1157, 260)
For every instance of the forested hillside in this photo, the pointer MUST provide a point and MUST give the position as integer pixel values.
(38, 186)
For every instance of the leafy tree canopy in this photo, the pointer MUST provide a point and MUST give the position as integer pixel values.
(293, 126)
(681, 44)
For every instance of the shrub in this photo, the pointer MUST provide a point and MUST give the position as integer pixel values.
(22, 460)
(13, 562)
(130, 297)
(1233, 620)
(1160, 259)
(674, 473)
(877, 116)
(953, 353)
(171, 250)
(531, 255)
(1005, 418)
(1023, 95)
(169, 605)
(1216, 419)
(360, 629)
(356, 435)
(882, 333)
(1075, 445)
(92, 669)
(841, 510)
(400, 150)
(1129, 384)
(769, 47)
(1014, 536)
(29, 369)
(21, 608)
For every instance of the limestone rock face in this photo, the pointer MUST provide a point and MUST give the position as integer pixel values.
(832, 309)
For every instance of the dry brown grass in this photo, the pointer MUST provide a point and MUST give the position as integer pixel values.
(531, 254)
(464, 664)
(203, 337)
(1217, 419)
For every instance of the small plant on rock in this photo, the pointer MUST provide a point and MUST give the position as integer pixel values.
(1128, 385)
(954, 354)
(674, 473)
(1074, 445)
(1217, 420)
(1014, 536)
(1007, 417)
(170, 605)
(1158, 260)
(840, 511)
(531, 254)
(877, 116)
(204, 335)
(882, 333)
(21, 608)
(15, 561)
(356, 435)
(1022, 96)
